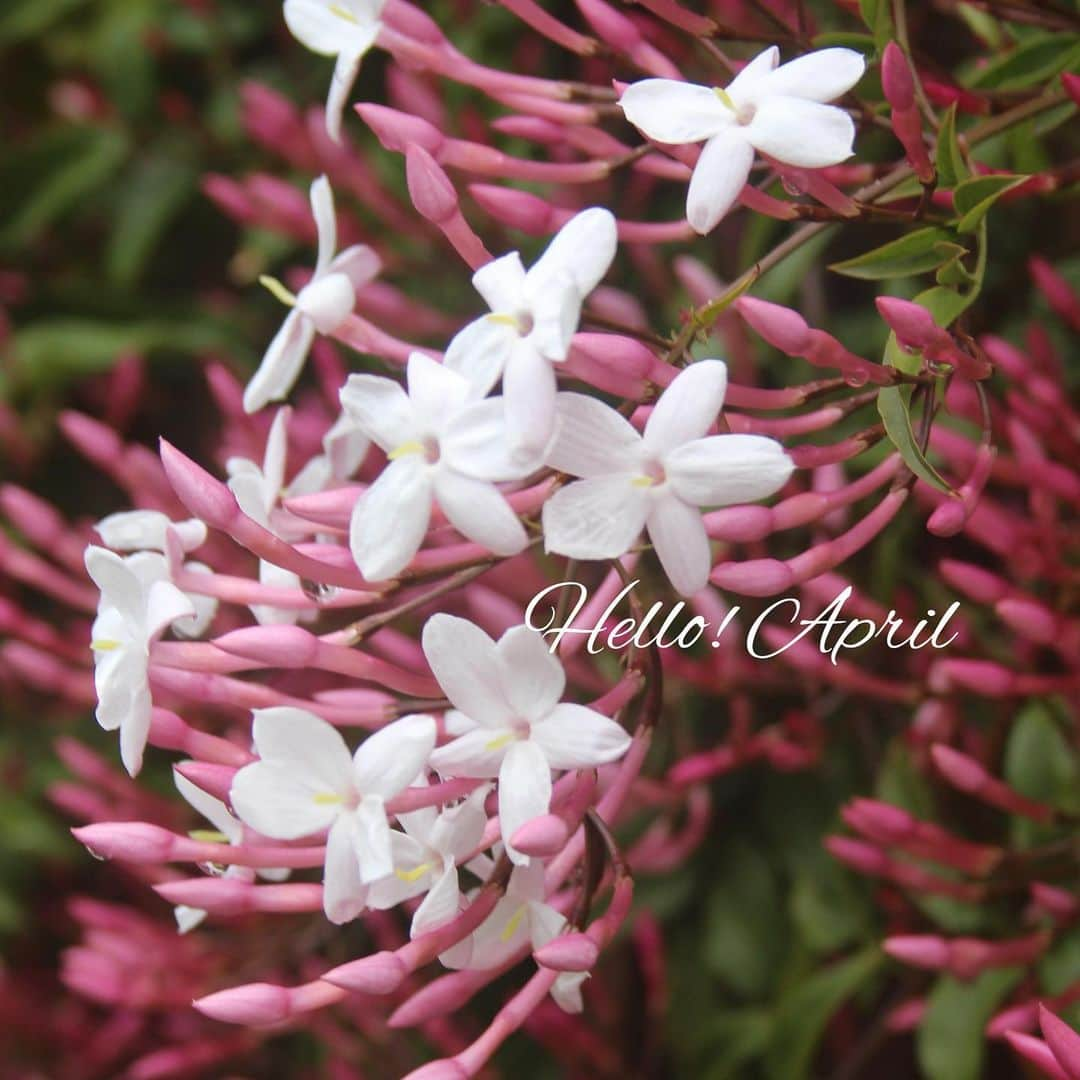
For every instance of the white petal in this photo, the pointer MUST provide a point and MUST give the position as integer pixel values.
(134, 732)
(598, 518)
(440, 905)
(380, 408)
(478, 754)
(275, 801)
(524, 791)
(346, 68)
(802, 133)
(467, 667)
(480, 513)
(566, 991)
(545, 924)
(480, 351)
(408, 856)
(306, 744)
(575, 737)
(534, 679)
(344, 894)
(322, 210)
(187, 918)
(390, 519)
(254, 496)
(327, 301)
(742, 86)
(164, 603)
(359, 263)
(390, 759)
(823, 75)
(136, 530)
(555, 303)
(720, 174)
(476, 442)
(373, 836)
(119, 586)
(459, 829)
(583, 248)
(276, 454)
(501, 283)
(591, 438)
(346, 446)
(320, 26)
(688, 407)
(281, 364)
(674, 112)
(214, 810)
(498, 936)
(435, 391)
(529, 388)
(725, 469)
(682, 545)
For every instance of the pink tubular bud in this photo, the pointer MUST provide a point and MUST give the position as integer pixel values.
(1030, 619)
(1061, 904)
(518, 209)
(131, 841)
(781, 327)
(1064, 1043)
(913, 325)
(397, 130)
(1059, 295)
(380, 973)
(219, 896)
(919, 950)
(569, 952)
(214, 779)
(896, 79)
(447, 1069)
(275, 646)
(205, 497)
(430, 188)
(975, 582)
(969, 776)
(1072, 85)
(255, 1005)
(1038, 1053)
(756, 577)
(543, 836)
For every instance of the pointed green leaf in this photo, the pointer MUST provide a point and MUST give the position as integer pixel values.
(973, 198)
(878, 17)
(949, 160)
(915, 253)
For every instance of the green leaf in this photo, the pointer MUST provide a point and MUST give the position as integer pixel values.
(1032, 63)
(845, 39)
(914, 253)
(1039, 762)
(894, 407)
(950, 1042)
(25, 19)
(803, 1012)
(878, 17)
(973, 198)
(949, 161)
(829, 907)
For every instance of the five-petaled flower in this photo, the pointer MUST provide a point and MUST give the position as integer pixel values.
(656, 480)
(322, 305)
(306, 781)
(138, 602)
(516, 726)
(534, 315)
(778, 111)
(344, 29)
(445, 446)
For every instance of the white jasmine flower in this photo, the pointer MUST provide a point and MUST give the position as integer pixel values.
(520, 730)
(137, 604)
(777, 111)
(534, 315)
(306, 781)
(445, 446)
(345, 29)
(426, 857)
(520, 916)
(656, 481)
(321, 307)
(226, 830)
(146, 530)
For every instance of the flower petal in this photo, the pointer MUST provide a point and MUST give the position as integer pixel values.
(533, 679)
(524, 791)
(575, 737)
(529, 388)
(134, 731)
(598, 518)
(501, 283)
(440, 905)
(591, 438)
(314, 25)
(273, 800)
(688, 407)
(459, 829)
(476, 442)
(682, 545)
(555, 302)
(480, 350)
(823, 75)
(741, 87)
(722, 470)
(467, 667)
(434, 390)
(281, 363)
(164, 603)
(346, 68)
(214, 810)
(583, 249)
(391, 518)
(380, 408)
(359, 263)
(306, 744)
(322, 210)
(328, 300)
(120, 588)
(344, 894)
(390, 759)
(276, 454)
(566, 991)
(545, 924)
(373, 838)
(477, 754)
(409, 878)
(674, 112)
(720, 174)
(802, 133)
(480, 513)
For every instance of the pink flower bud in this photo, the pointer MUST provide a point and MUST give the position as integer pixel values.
(1038, 1053)
(569, 952)
(447, 1069)
(1063, 1042)
(430, 188)
(781, 327)
(397, 130)
(274, 646)
(518, 209)
(919, 950)
(755, 577)
(214, 779)
(256, 1005)
(131, 841)
(220, 896)
(1030, 619)
(896, 79)
(205, 497)
(380, 973)
(543, 837)
(913, 325)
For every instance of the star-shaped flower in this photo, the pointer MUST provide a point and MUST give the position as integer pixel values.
(656, 480)
(321, 307)
(445, 446)
(306, 781)
(137, 605)
(534, 315)
(509, 694)
(777, 111)
(345, 29)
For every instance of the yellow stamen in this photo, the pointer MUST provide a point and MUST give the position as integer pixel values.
(272, 285)
(500, 741)
(503, 319)
(643, 481)
(409, 876)
(208, 836)
(725, 97)
(104, 645)
(511, 927)
(325, 798)
(341, 13)
(413, 447)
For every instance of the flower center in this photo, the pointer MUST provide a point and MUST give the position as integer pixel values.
(428, 447)
(342, 13)
(410, 876)
(652, 473)
(104, 645)
(744, 114)
(522, 322)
